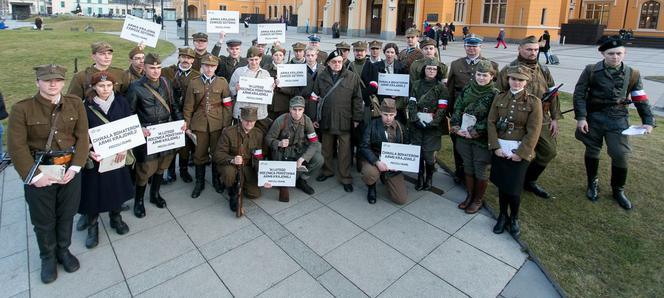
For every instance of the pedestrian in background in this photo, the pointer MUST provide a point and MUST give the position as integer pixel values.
(501, 39)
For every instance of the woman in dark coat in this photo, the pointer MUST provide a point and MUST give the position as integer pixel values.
(392, 65)
(102, 192)
(545, 45)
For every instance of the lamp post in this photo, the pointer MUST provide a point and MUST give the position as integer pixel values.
(162, 14)
(186, 23)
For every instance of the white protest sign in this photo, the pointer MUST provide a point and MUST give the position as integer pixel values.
(255, 90)
(269, 33)
(165, 136)
(222, 20)
(117, 136)
(393, 84)
(292, 75)
(401, 157)
(277, 173)
(139, 30)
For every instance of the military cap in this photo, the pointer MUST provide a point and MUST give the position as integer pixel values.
(233, 42)
(342, 46)
(101, 46)
(359, 45)
(412, 32)
(187, 52)
(277, 48)
(135, 51)
(314, 38)
(518, 72)
(609, 43)
(101, 76)
(427, 42)
(50, 72)
(485, 66)
(388, 106)
(200, 36)
(375, 44)
(249, 113)
(332, 55)
(472, 40)
(253, 52)
(255, 42)
(152, 59)
(210, 59)
(528, 40)
(297, 101)
(298, 46)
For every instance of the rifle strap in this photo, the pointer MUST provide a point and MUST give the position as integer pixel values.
(319, 108)
(159, 97)
(54, 125)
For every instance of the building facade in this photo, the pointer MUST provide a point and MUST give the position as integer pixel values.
(272, 10)
(643, 17)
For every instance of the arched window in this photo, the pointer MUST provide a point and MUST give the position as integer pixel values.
(270, 10)
(649, 15)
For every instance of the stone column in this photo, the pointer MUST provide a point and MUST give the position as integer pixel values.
(418, 17)
(355, 11)
(308, 10)
(389, 26)
(328, 15)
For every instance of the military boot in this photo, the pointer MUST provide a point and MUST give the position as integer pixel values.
(82, 223)
(515, 228)
(218, 186)
(155, 197)
(420, 176)
(618, 179)
(478, 196)
(232, 198)
(68, 261)
(283, 194)
(49, 265)
(429, 177)
(533, 172)
(170, 174)
(117, 223)
(184, 172)
(371, 193)
(93, 231)
(501, 223)
(139, 208)
(302, 185)
(199, 185)
(470, 185)
(592, 192)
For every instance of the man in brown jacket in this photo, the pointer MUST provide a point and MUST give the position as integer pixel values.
(200, 47)
(207, 110)
(102, 54)
(48, 121)
(135, 70)
(411, 52)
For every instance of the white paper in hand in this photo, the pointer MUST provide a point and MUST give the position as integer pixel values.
(109, 164)
(467, 121)
(425, 117)
(635, 130)
(509, 147)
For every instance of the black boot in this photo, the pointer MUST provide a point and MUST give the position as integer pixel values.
(155, 197)
(592, 192)
(216, 183)
(515, 228)
(117, 223)
(170, 174)
(49, 270)
(371, 194)
(63, 231)
(199, 185)
(93, 231)
(534, 171)
(49, 265)
(429, 177)
(82, 223)
(139, 208)
(68, 261)
(302, 185)
(232, 200)
(501, 223)
(184, 172)
(420, 176)
(618, 179)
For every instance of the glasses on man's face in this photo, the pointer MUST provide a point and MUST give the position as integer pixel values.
(431, 68)
(335, 62)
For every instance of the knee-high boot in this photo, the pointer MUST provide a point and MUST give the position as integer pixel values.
(592, 192)
(139, 208)
(199, 185)
(420, 176)
(431, 168)
(618, 179)
(155, 197)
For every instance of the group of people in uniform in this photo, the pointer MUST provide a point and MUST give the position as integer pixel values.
(503, 124)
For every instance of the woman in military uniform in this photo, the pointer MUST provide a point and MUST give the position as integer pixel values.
(474, 103)
(514, 125)
(427, 107)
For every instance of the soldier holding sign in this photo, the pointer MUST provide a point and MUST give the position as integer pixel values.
(228, 64)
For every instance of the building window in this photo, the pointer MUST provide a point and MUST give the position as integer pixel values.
(649, 15)
(494, 11)
(89, 10)
(99, 1)
(62, 4)
(222, 7)
(257, 10)
(459, 10)
(269, 8)
(543, 16)
(124, 11)
(598, 11)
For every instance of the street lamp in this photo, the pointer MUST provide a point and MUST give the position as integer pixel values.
(162, 15)
(186, 23)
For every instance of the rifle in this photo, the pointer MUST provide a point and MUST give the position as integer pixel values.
(76, 65)
(288, 61)
(547, 96)
(39, 158)
(238, 186)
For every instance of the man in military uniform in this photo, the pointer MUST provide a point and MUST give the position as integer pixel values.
(50, 120)
(314, 41)
(102, 54)
(292, 137)
(344, 49)
(200, 47)
(462, 71)
(601, 98)
(207, 110)
(151, 99)
(135, 70)
(375, 48)
(411, 53)
(428, 47)
(385, 129)
(228, 64)
(180, 76)
(298, 53)
(540, 84)
(265, 59)
(240, 148)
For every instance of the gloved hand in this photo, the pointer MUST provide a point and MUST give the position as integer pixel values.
(421, 124)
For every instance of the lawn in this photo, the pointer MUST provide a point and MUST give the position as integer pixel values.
(65, 23)
(596, 249)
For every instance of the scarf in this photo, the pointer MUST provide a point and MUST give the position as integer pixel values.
(474, 91)
(529, 63)
(104, 105)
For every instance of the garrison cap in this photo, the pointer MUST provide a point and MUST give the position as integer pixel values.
(101, 77)
(342, 46)
(277, 48)
(152, 59)
(253, 52)
(101, 46)
(314, 38)
(518, 72)
(233, 42)
(50, 72)
(528, 40)
(427, 42)
(606, 43)
(359, 45)
(249, 113)
(297, 101)
(485, 66)
(375, 44)
(388, 106)
(298, 46)
(472, 40)
(200, 36)
(187, 52)
(412, 32)
(210, 59)
(135, 51)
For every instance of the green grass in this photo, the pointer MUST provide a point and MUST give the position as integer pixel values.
(65, 23)
(596, 249)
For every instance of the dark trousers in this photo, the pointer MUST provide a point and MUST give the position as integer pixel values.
(52, 210)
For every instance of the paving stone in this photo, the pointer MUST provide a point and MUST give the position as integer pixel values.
(269, 202)
(479, 233)
(254, 267)
(299, 284)
(229, 242)
(99, 269)
(468, 269)
(267, 224)
(356, 208)
(163, 272)
(24, 294)
(14, 274)
(323, 230)
(442, 180)
(287, 215)
(330, 195)
(150, 248)
(409, 235)
(197, 282)
(456, 194)
(418, 282)
(11, 176)
(153, 217)
(369, 263)
(530, 281)
(211, 223)
(118, 290)
(12, 190)
(12, 212)
(13, 238)
(439, 212)
(180, 202)
(339, 285)
(303, 255)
